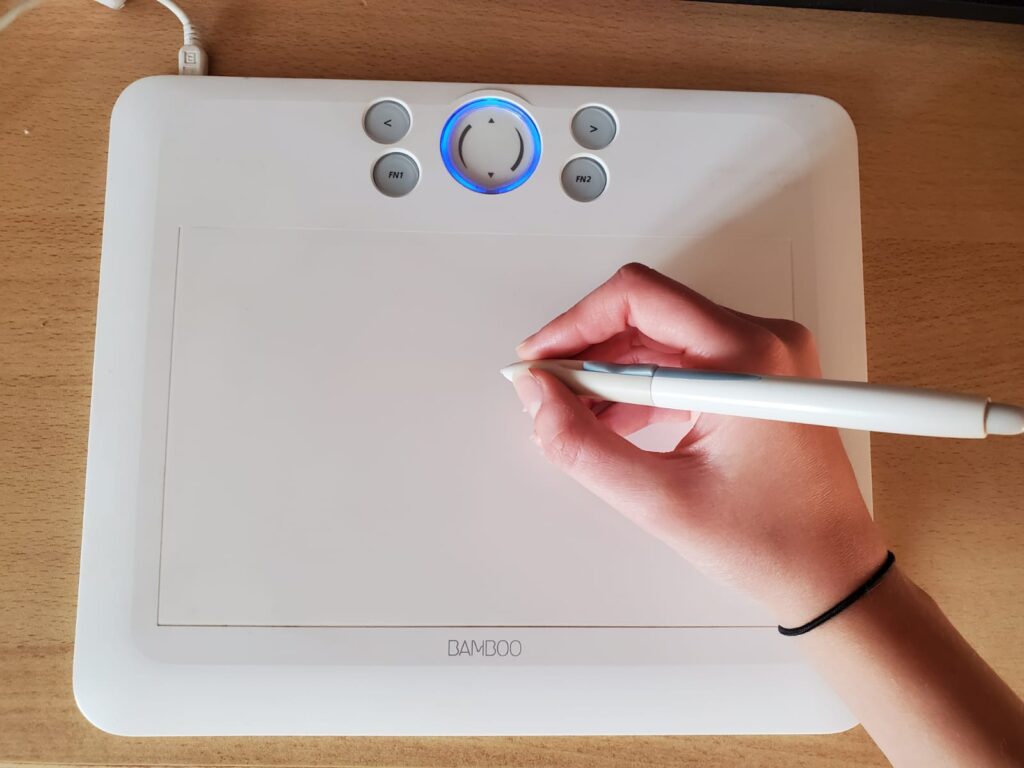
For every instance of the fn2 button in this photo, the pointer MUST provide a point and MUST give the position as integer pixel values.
(584, 179)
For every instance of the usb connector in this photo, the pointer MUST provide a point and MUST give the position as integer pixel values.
(192, 59)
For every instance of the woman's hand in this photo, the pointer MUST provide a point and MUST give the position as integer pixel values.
(770, 507)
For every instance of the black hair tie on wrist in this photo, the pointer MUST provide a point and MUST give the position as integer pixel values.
(846, 602)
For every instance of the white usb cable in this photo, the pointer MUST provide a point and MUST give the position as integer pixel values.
(7, 17)
(192, 59)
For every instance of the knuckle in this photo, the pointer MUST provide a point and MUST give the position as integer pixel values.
(772, 349)
(788, 348)
(797, 336)
(563, 449)
(801, 355)
(560, 438)
(630, 273)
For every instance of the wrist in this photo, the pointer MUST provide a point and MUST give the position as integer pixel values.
(827, 574)
(919, 689)
(858, 594)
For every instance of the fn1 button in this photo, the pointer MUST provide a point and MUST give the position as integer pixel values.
(584, 179)
(396, 174)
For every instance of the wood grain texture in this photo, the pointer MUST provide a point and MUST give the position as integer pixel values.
(939, 108)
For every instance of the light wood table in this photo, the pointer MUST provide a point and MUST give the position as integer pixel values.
(939, 108)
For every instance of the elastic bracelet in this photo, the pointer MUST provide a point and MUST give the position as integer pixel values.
(846, 602)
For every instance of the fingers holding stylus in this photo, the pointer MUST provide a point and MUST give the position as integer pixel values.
(792, 340)
(665, 311)
(631, 347)
(626, 419)
(572, 438)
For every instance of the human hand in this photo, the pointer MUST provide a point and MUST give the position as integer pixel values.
(770, 507)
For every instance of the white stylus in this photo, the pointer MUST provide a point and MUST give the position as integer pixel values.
(829, 403)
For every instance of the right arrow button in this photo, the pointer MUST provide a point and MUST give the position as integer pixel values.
(594, 127)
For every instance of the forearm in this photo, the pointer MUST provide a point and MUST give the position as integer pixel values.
(919, 689)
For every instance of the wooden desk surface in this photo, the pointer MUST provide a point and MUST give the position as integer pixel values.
(939, 108)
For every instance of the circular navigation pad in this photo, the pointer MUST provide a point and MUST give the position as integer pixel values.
(490, 145)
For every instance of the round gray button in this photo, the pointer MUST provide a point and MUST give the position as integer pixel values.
(387, 122)
(396, 174)
(593, 127)
(584, 179)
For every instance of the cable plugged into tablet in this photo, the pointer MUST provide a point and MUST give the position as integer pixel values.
(192, 59)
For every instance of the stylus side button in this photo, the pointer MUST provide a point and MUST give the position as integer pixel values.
(396, 174)
(642, 369)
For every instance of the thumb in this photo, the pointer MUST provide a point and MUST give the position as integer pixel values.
(572, 439)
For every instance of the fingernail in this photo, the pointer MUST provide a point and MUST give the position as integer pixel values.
(528, 389)
(521, 346)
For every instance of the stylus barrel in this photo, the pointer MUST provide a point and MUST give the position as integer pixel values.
(824, 402)
(843, 404)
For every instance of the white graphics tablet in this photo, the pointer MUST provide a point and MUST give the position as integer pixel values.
(284, 536)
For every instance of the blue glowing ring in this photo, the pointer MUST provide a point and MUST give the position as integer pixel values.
(473, 106)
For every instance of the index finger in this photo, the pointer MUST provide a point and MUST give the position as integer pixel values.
(666, 311)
